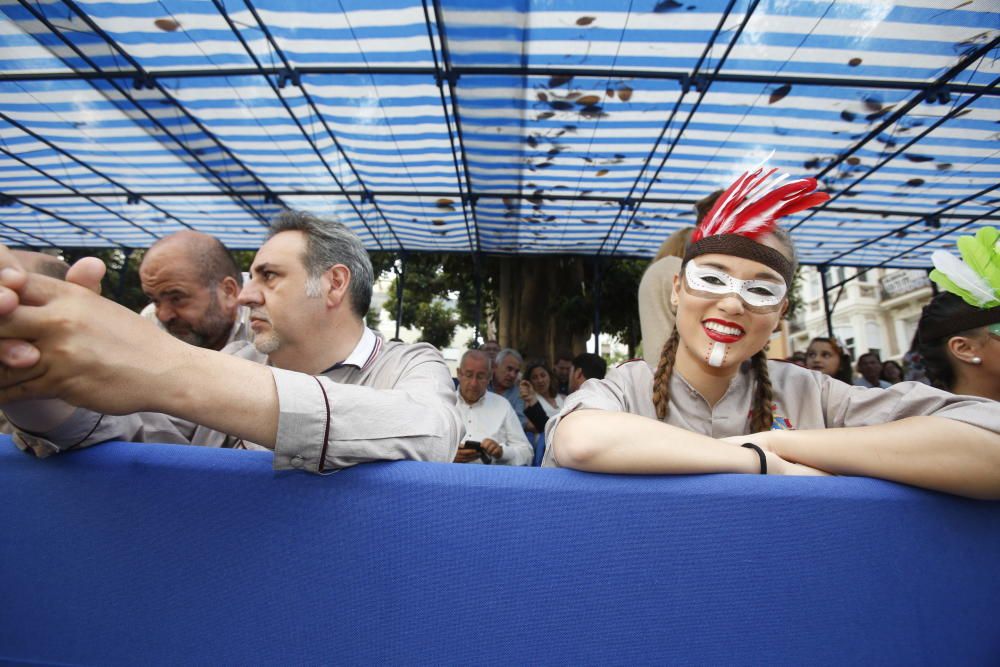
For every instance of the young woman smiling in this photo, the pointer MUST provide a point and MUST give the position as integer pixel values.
(714, 390)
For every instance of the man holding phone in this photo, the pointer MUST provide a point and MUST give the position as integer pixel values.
(494, 434)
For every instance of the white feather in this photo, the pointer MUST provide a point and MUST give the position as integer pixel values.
(962, 275)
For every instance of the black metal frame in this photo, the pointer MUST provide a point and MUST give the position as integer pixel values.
(446, 73)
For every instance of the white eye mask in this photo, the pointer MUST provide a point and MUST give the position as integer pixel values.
(763, 296)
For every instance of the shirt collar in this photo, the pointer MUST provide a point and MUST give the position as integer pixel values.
(482, 399)
(364, 352)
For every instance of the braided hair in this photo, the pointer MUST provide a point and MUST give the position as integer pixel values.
(761, 415)
(763, 398)
(661, 378)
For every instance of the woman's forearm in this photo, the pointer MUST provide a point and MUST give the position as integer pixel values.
(929, 452)
(619, 442)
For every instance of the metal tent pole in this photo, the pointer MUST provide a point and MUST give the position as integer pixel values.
(826, 301)
(400, 280)
(597, 304)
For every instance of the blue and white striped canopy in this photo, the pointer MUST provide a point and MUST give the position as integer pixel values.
(492, 126)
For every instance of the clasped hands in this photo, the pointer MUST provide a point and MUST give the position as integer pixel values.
(62, 340)
(776, 463)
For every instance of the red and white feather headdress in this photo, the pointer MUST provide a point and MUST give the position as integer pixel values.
(749, 209)
(751, 206)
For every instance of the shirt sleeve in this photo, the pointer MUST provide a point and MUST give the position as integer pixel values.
(324, 425)
(609, 394)
(517, 403)
(84, 428)
(517, 451)
(847, 405)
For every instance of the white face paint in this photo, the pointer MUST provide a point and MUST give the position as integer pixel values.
(718, 355)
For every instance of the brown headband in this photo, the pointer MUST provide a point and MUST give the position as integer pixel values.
(973, 318)
(741, 246)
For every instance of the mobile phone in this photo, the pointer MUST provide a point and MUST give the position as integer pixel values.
(473, 444)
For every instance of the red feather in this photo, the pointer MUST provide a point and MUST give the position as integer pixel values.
(750, 207)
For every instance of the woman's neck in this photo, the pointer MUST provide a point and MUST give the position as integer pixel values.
(977, 384)
(710, 382)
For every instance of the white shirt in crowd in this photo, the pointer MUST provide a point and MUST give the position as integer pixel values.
(493, 417)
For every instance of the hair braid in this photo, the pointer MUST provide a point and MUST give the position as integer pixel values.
(661, 379)
(761, 416)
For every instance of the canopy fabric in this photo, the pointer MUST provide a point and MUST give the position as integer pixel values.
(517, 127)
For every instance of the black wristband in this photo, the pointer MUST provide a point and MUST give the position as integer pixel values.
(760, 453)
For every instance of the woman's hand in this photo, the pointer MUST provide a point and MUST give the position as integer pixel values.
(528, 394)
(775, 464)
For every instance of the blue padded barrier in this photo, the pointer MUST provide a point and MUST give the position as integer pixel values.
(129, 554)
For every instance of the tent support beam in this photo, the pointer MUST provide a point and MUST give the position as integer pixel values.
(827, 311)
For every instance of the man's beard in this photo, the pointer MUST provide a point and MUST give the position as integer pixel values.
(266, 342)
(213, 328)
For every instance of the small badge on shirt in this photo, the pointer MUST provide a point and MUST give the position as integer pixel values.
(778, 423)
(781, 424)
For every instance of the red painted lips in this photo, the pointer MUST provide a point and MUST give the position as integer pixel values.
(722, 331)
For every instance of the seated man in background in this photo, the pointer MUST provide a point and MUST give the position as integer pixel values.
(563, 368)
(332, 395)
(870, 371)
(493, 433)
(505, 375)
(194, 285)
(586, 366)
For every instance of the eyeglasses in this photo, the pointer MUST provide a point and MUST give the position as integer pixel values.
(763, 296)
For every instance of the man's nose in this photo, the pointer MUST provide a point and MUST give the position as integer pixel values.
(249, 295)
(164, 313)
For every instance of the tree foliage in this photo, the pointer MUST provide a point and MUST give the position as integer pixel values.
(431, 283)
(538, 304)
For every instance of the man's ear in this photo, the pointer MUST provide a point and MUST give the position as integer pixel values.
(230, 288)
(964, 348)
(337, 280)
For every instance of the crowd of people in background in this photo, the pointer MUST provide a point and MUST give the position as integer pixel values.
(831, 357)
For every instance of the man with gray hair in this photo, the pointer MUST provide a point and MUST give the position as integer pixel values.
(505, 375)
(493, 433)
(332, 394)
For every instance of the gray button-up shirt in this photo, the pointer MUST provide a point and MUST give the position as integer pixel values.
(803, 399)
(386, 401)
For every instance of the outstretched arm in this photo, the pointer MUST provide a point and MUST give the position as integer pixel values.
(620, 442)
(930, 452)
(99, 355)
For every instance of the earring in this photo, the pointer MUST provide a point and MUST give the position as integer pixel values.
(976, 360)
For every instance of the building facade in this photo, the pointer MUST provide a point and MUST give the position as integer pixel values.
(876, 311)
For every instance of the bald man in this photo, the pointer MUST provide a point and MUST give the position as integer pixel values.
(193, 283)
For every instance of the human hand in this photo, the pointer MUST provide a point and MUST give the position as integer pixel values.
(16, 353)
(776, 465)
(528, 394)
(492, 447)
(93, 352)
(13, 353)
(466, 455)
